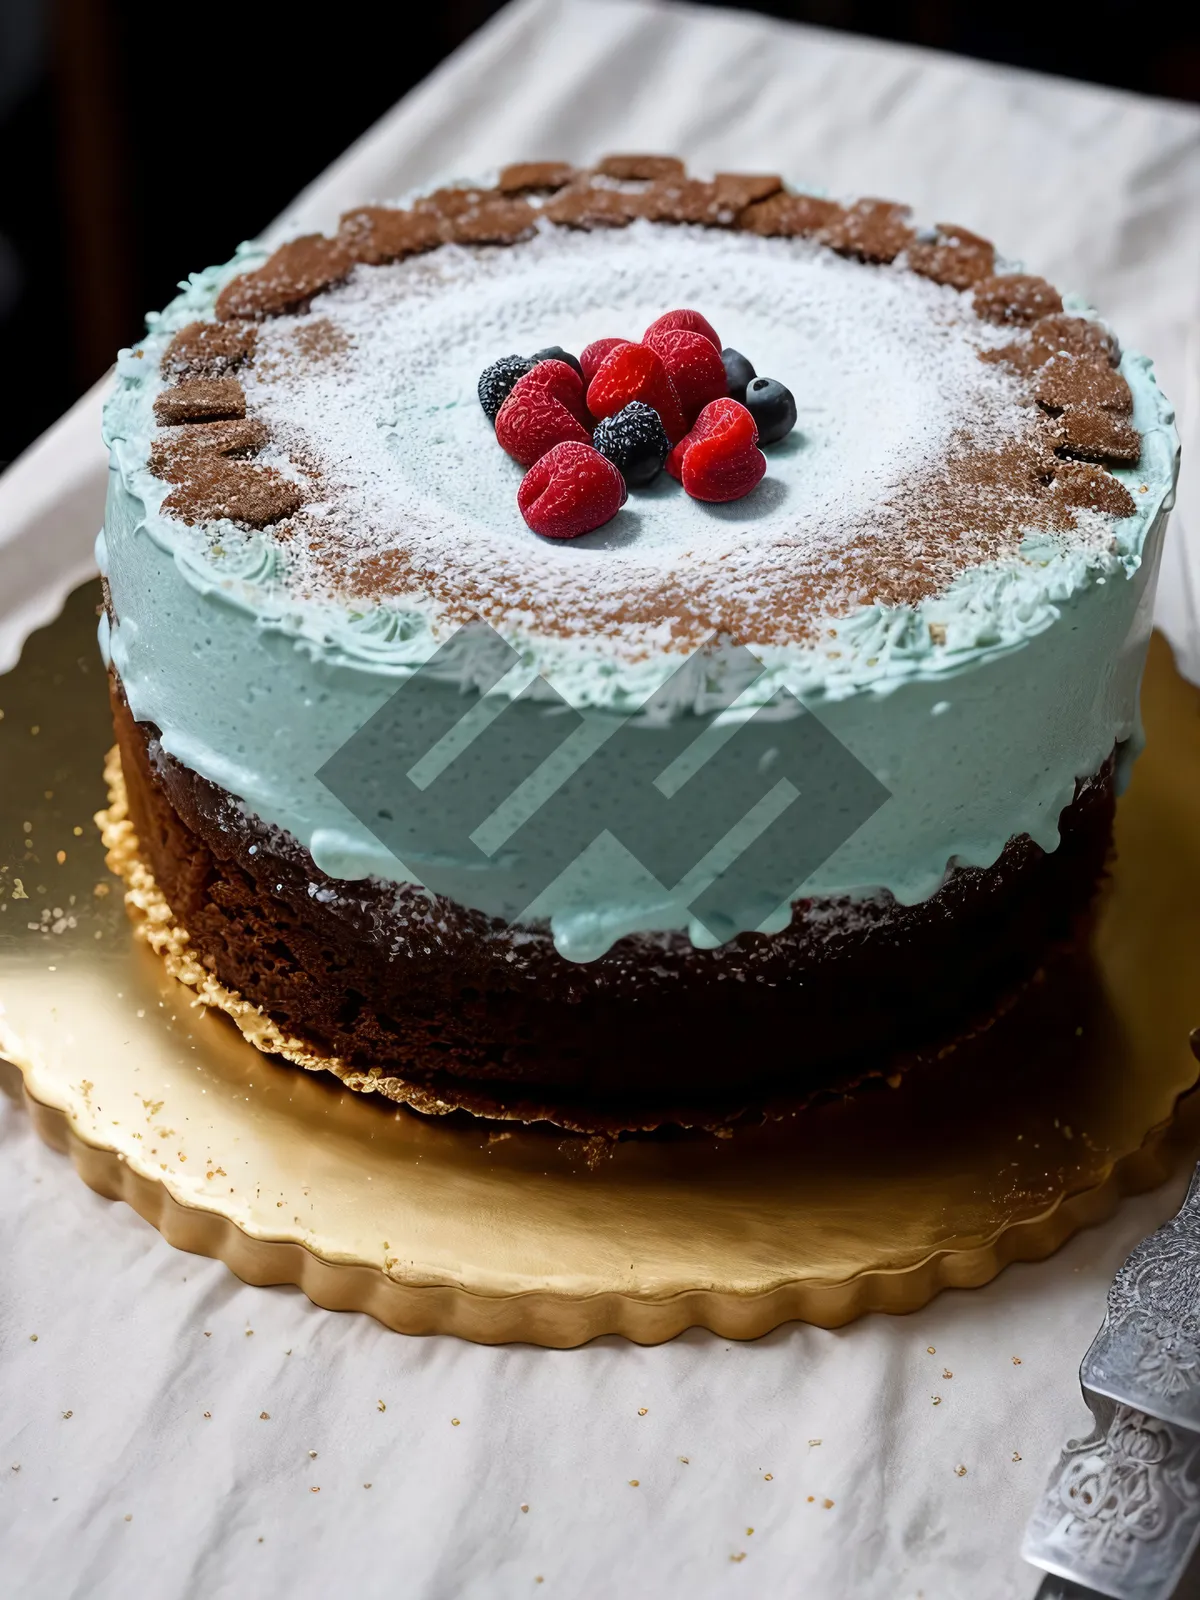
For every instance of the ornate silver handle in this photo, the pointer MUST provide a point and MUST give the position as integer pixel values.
(1121, 1513)
(1147, 1354)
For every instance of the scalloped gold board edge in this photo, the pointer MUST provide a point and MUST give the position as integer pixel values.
(997, 1152)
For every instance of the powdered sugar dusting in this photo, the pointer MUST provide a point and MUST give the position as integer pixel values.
(415, 503)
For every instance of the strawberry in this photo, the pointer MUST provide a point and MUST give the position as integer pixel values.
(545, 408)
(691, 320)
(592, 358)
(719, 459)
(570, 490)
(635, 372)
(693, 365)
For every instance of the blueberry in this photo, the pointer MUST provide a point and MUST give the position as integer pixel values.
(738, 373)
(497, 382)
(635, 441)
(772, 407)
(555, 352)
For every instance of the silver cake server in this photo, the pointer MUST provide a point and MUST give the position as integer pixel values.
(1120, 1515)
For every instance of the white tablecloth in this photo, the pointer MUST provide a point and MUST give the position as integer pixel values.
(136, 1453)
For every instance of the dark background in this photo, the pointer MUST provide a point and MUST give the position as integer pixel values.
(138, 141)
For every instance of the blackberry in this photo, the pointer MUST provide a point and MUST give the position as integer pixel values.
(635, 441)
(555, 352)
(497, 382)
(738, 373)
(772, 407)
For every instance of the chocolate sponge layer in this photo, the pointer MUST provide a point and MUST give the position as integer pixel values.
(389, 976)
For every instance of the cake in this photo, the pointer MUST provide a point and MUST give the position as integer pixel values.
(715, 787)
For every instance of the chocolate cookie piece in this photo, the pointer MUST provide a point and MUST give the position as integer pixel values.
(1091, 434)
(687, 200)
(954, 256)
(585, 205)
(205, 400)
(208, 350)
(452, 202)
(1090, 488)
(638, 168)
(1067, 380)
(718, 204)
(869, 230)
(789, 216)
(534, 177)
(243, 491)
(297, 271)
(1074, 336)
(1015, 298)
(175, 449)
(376, 234)
(490, 221)
(738, 190)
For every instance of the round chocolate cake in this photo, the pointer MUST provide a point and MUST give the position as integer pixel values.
(624, 648)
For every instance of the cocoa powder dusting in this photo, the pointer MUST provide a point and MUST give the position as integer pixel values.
(965, 513)
(309, 341)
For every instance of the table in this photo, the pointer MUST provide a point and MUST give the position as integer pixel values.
(163, 1423)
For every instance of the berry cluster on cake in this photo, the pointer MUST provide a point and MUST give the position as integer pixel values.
(619, 647)
(623, 410)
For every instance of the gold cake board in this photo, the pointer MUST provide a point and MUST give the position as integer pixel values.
(997, 1152)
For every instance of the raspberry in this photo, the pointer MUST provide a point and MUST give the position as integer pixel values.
(691, 320)
(592, 358)
(635, 372)
(720, 458)
(570, 490)
(545, 407)
(693, 365)
(565, 384)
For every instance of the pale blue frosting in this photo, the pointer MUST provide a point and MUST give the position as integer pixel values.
(978, 737)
